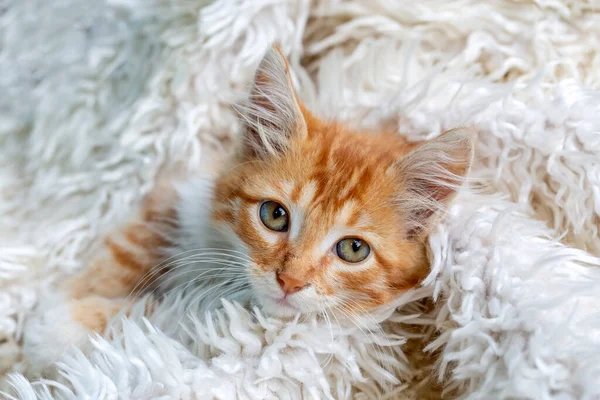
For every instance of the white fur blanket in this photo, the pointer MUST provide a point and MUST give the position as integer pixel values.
(96, 96)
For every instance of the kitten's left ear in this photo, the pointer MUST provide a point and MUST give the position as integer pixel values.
(430, 176)
(273, 115)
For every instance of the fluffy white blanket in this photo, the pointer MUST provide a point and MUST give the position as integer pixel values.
(96, 96)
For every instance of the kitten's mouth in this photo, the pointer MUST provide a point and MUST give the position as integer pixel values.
(282, 301)
(280, 306)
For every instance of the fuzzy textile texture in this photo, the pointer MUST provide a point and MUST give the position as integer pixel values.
(98, 96)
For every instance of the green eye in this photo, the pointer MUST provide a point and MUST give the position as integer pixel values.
(274, 216)
(352, 250)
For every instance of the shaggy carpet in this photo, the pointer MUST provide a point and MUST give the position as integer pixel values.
(98, 96)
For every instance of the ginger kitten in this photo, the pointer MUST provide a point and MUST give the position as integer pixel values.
(311, 215)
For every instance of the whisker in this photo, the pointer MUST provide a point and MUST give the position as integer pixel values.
(182, 263)
(157, 269)
(242, 255)
(230, 276)
(191, 260)
(230, 290)
(206, 258)
(160, 267)
(195, 279)
(199, 297)
(330, 357)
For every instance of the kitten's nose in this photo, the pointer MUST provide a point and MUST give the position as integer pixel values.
(290, 285)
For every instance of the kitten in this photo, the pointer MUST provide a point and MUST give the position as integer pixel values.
(312, 215)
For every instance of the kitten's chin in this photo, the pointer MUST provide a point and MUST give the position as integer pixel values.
(277, 309)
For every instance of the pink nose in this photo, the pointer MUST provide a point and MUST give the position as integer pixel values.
(290, 285)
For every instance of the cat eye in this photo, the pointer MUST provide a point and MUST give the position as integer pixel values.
(352, 250)
(274, 216)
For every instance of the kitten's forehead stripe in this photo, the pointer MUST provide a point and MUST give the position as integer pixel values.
(346, 212)
(307, 194)
(295, 194)
(343, 172)
(354, 218)
(286, 188)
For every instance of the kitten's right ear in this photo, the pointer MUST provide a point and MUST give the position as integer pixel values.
(273, 115)
(430, 176)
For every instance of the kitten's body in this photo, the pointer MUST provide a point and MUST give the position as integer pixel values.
(342, 195)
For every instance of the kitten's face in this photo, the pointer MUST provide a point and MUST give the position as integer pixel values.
(331, 219)
(321, 224)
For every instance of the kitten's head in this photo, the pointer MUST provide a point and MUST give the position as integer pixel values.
(331, 218)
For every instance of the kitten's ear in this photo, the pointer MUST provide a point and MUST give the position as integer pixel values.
(273, 115)
(430, 176)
